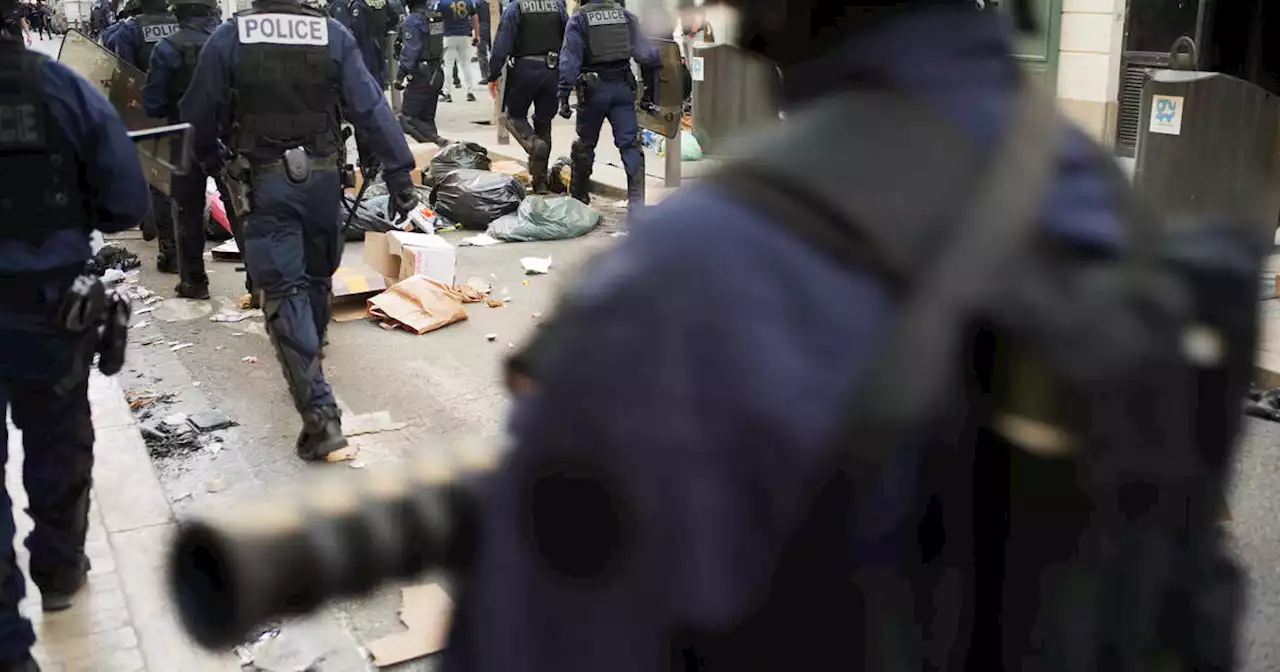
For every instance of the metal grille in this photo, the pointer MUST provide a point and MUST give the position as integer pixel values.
(1130, 113)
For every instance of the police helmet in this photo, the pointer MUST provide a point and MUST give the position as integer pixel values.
(788, 32)
(211, 4)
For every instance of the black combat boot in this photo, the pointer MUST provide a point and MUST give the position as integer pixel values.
(321, 433)
(193, 288)
(58, 592)
(167, 260)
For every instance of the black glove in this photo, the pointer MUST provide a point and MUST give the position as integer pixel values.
(369, 169)
(399, 83)
(565, 110)
(401, 204)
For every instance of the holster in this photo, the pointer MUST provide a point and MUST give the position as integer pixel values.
(235, 175)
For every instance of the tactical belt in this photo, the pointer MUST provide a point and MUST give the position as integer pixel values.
(611, 74)
(318, 164)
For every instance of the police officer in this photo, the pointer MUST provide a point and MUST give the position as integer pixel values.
(420, 63)
(133, 39)
(715, 491)
(530, 34)
(68, 167)
(173, 62)
(595, 60)
(370, 20)
(269, 86)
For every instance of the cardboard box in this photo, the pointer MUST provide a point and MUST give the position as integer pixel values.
(422, 152)
(513, 168)
(398, 255)
(352, 287)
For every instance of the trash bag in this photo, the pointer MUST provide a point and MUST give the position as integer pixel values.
(546, 218)
(558, 176)
(473, 198)
(371, 215)
(112, 255)
(690, 150)
(454, 156)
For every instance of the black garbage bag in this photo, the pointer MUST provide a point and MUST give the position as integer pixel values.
(455, 156)
(370, 215)
(112, 255)
(473, 198)
(557, 180)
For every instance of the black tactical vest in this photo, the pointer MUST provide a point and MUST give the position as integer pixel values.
(433, 34)
(188, 43)
(375, 19)
(154, 28)
(541, 28)
(608, 33)
(284, 83)
(38, 163)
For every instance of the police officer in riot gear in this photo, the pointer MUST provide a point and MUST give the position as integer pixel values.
(133, 39)
(421, 64)
(173, 62)
(370, 20)
(66, 167)
(267, 91)
(599, 42)
(530, 34)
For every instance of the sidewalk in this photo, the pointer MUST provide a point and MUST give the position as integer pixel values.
(123, 621)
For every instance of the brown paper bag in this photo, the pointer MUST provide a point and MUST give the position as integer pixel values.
(418, 304)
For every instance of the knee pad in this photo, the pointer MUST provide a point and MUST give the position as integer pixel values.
(580, 151)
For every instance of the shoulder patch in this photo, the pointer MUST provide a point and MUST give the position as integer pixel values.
(296, 29)
(158, 31)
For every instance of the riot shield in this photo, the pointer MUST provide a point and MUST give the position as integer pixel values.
(663, 115)
(122, 84)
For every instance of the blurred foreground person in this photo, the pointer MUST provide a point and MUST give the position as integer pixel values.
(855, 404)
(68, 167)
(264, 102)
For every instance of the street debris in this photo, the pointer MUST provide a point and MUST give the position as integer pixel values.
(179, 498)
(227, 251)
(481, 239)
(351, 287)
(214, 447)
(479, 284)
(236, 316)
(536, 316)
(112, 255)
(357, 464)
(140, 324)
(546, 218)
(535, 266)
(426, 611)
(474, 198)
(398, 255)
(495, 303)
(467, 293)
(1263, 404)
(618, 234)
(142, 311)
(210, 421)
(491, 337)
(216, 484)
(418, 305)
(249, 360)
(112, 276)
(181, 346)
(370, 423)
(244, 301)
(343, 454)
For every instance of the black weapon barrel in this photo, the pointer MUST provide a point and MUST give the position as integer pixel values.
(236, 571)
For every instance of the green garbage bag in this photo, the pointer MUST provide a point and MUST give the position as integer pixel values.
(690, 150)
(546, 218)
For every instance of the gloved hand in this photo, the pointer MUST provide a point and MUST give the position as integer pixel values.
(369, 169)
(565, 110)
(401, 204)
(399, 83)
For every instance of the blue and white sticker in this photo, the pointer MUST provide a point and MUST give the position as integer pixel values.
(311, 31)
(1166, 115)
(696, 72)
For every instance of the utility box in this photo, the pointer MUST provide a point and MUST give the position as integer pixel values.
(732, 90)
(1208, 149)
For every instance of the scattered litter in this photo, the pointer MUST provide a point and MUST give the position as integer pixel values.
(112, 276)
(546, 218)
(418, 304)
(245, 301)
(142, 311)
(491, 337)
(217, 348)
(237, 334)
(227, 251)
(250, 359)
(174, 342)
(152, 300)
(426, 612)
(535, 266)
(525, 283)
(179, 498)
(473, 198)
(511, 346)
(495, 303)
(210, 420)
(148, 341)
(343, 454)
(618, 234)
(356, 464)
(467, 293)
(195, 384)
(1264, 404)
(112, 255)
(214, 447)
(370, 423)
(216, 484)
(480, 240)
(536, 316)
(236, 316)
(480, 285)
(181, 346)
(141, 324)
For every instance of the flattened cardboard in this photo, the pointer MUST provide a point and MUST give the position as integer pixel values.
(352, 286)
(227, 251)
(513, 168)
(426, 611)
(419, 305)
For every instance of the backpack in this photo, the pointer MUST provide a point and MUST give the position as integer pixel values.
(1061, 418)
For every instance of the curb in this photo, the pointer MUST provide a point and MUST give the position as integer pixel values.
(598, 188)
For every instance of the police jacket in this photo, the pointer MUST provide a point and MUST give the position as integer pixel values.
(370, 19)
(712, 448)
(528, 28)
(237, 78)
(423, 33)
(138, 35)
(173, 63)
(66, 162)
(602, 36)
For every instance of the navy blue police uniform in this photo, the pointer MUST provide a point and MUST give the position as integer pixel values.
(172, 65)
(133, 40)
(268, 88)
(709, 445)
(600, 41)
(67, 167)
(370, 20)
(421, 63)
(530, 35)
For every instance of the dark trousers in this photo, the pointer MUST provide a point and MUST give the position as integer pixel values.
(615, 100)
(421, 99)
(293, 245)
(189, 201)
(44, 380)
(531, 84)
(161, 216)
